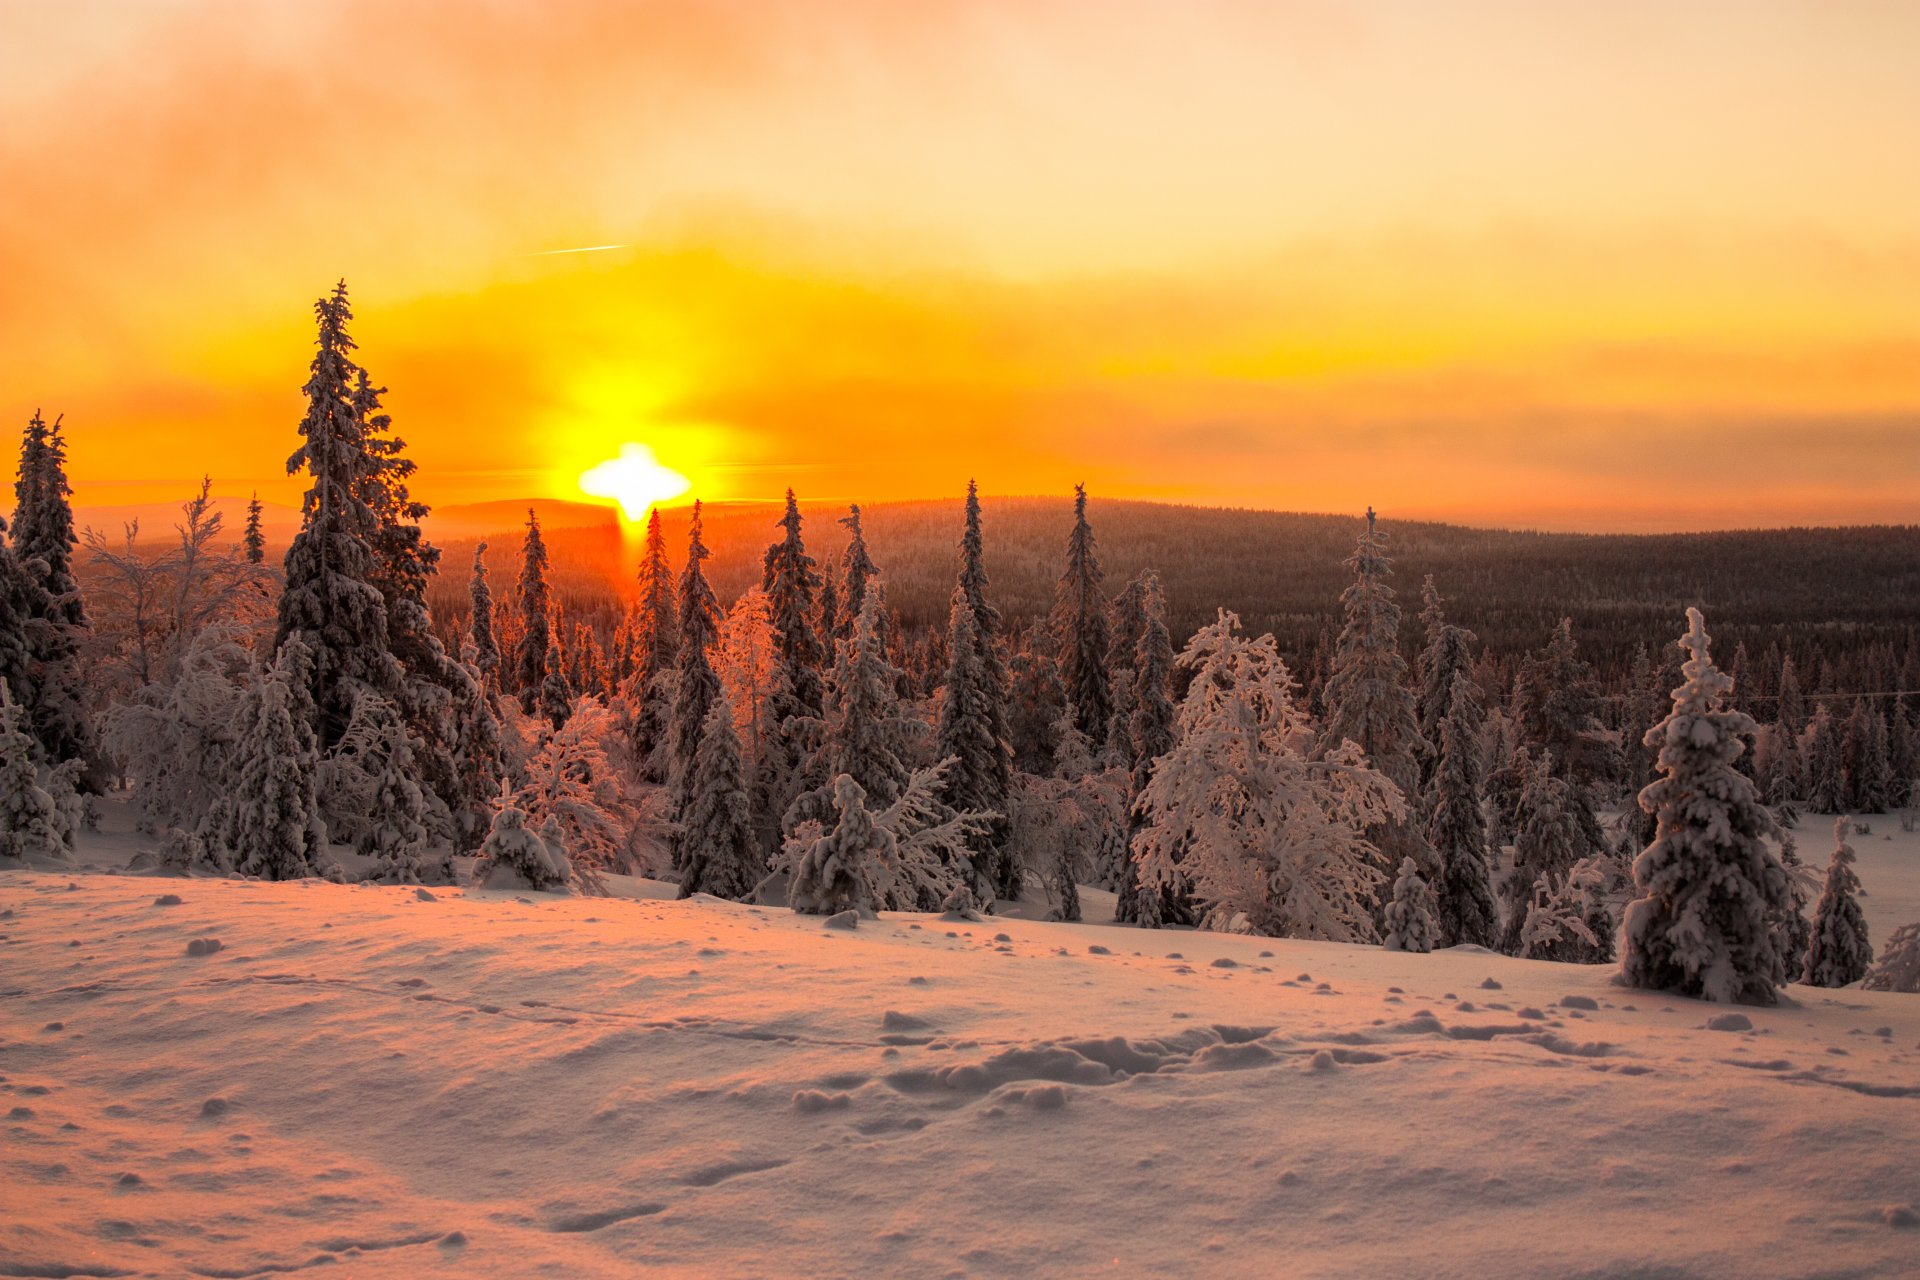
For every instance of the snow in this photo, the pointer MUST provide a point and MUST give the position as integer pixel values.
(499, 1083)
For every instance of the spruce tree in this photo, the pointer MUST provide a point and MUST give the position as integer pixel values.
(796, 696)
(696, 685)
(330, 601)
(659, 644)
(837, 872)
(981, 770)
(1084, 642)
(1869, 768)
(1838, 951)
(994, 688)
(1826, 762)
(254, 540)
(1545, 847)
(856, 567)
(486, 648)
(1368, 702)
(536, 619)
(722, 852)
(1448, 653)
(1152, 734)
(1410, 915)
(48, 598)
(516, 856)
(1708, 887)
(1464, 908)
(29, 821)
(276, 831)
(396, 838)
(1791, 929)
(1898, 968)
(1129, 625)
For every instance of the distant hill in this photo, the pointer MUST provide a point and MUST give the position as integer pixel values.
(1283, 571)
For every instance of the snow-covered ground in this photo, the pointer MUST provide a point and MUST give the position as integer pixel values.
(464, 1083)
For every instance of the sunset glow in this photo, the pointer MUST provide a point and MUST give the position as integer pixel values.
(1485, 262)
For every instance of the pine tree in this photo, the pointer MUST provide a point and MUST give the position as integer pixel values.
(1273, 843)
(723, 855)
(796, 694)
(648, 691)
(696, 685)
(330, 601)
(1838, 951)
(1464, 910)
(838, 870)
(29, 821)
(1084, 643)
(486, 649)
(1368, 703)
(1707, 886)
(276, 832)
(982, 765)
(1410, 916)
(536, 619)
(254, 539)
(856, 567)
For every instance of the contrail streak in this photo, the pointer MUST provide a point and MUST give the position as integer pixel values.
(592, 248)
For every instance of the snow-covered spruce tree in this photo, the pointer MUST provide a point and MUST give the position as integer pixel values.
(531, 660)
(1838, 951)
(1826, 762)
(796, 693)
(865, 733)
(1082, 622)
(1447, 654)
(1036, 706)
(1152, 734)
(1129, 613)
(49, 599)
(1869, 769)
(253, 541)
(1368, 703)
(1410, 919)
(555, 701)
(1456, 831)
(486, 649)
(276, 829)
(394, 837)
(982, 769)
(649, 691)
(1273, 843)
(1898, 968)
(1791, 929)
(1708, 885)
(330, 601)
(995, 684)
(1556, 699)
(30, 824)
(839, 869)
(696, 685)
(748, 662)
(856, 567)
(723, 851)
(515, 856)
(1547, 844)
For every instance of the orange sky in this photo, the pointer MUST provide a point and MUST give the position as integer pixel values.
(1556, 264)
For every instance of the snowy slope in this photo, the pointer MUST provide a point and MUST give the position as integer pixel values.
(491, 1084)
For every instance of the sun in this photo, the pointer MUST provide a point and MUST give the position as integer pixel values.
(635, 479)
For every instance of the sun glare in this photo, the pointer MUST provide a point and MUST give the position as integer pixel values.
(635, 479)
